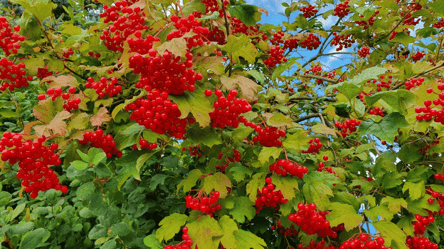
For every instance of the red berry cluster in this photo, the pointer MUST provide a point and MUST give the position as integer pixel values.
(165, 73)
(365, 242)
(9, 40)
(418, 56)
(42, 72)
(157, 113)
(216, 35)
(104, 86)
(101, 141)
(34, 160)
(392, 35)
(13, 75)
(309, 11)
(205, 204)
(284, 167)
(321, 166)
(289, 232)
(314, 147)
(141, 45)
(239, 27)
(439, 24)
(237, 158)
(420, 242)
(420, 224)
(145, 145)
(438, 176)
(370, 22)
(341, 10)
(277, 38)
(347, 126)
(68, 53)
(430, 113)
(319, 245)
(376, 111)
(70, 103)
(269, 197)
(364, 52)
(268, 136)
(343, 41)
(94, 55)
(194, 151)
(211, 6)
(311, 42)
(312, 221)
(185, 244)
(275, 56)
(291, 43)
(126, 21)
(439, 199)
(185, 25)
(227, 109)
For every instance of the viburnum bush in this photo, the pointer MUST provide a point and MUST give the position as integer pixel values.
(192, 124)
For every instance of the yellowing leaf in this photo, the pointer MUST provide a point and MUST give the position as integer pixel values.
(248, 87)
(394, 204)
(202, 231)
(323, 129)
(228, 227)
(287, 185)
(416, 190)
(247, 240)
(391, 233)
(170, 226)
(240, 46)
(100, 117)
(190, 181)
(257, 181)
(219, 182)
(243, 207)
(195, 103)
(268, 152)
(60, 81)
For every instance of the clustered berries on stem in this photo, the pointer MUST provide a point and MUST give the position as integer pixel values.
(289, 232)
(34, 161)
(145, 145)
(9, 40)
(342, 9)
(433, 109)
(347, 126)
(157, 113)
(365, 242)
(13, 75)
(236, 158)
(308, 11)
(311, 42)
(206, 204)
(364, 52)
(342, 41)
(227, 109)
(126, 21)
(420, 224)
(185, 25)
(314, 147)
(185, 244)
(420, 242)
(164, 72)
(312, 221)
(418, 56)
(54, 93)
(101, 141)
(194, 150)
(376, 111)
(268, 196)
(104, 86)
(284, 167)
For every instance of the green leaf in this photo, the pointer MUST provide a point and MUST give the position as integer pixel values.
(240, 46)
(282, 68)
(85, 191)
(365, 186)
(120, 229)
(128, 136)
(257, 181)
(386, 129)
(80, 165)
(409, 153)
(152, 242)
(219, 182)
(33, 64)
(268, 152)
(421, 205)
(205, 136)
(192, 6)
(416, 190)
(170, 226)
(79, 122)
(202, 231)
(297, 141)
(243, 208)
(318, 194)
(35, 238)
(5, 198)
(40, 8)
(287, 185)
(156, 180)
(405, 223)
(177, 47)
(279, 120)
(110, 244)
(228, 227)
(437, 188)
(394, 204)
(129, 167)
(246, 13)
(257, 75)
(391, 233)
(247, 240)
(382, 211)
(367, 74)
(190, 181)
(400, 100)
(239, 172)
(403, 38)
(195, 103)
(248, 87)
(323, 129)
(437, 6)
(343, 213)
(350, 90)
(18, 210)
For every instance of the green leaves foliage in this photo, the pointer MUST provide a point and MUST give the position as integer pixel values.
(343, 213)
(248, 14)
(170, 226)
(195, 103)
(391, 233)
(39, 8)
(202, 231)
(240, 46)
(386, 129)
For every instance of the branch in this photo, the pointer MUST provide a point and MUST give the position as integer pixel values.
(318, 77)
(294, 99)
(314, 115)
(422, 73)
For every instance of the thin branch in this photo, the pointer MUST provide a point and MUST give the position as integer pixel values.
(318, 77)
(309, 116)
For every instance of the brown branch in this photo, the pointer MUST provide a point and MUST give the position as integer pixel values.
(318, 77)
(309, 116)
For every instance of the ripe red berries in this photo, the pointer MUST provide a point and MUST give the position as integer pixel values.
(284, 167)
(104, 142)
(268, 197)
(227, 110)
(205, 204)
(312, 221)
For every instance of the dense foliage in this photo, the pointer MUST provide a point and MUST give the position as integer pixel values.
(186, 124)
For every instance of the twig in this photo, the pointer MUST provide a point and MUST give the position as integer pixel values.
(309, 116)
(317, 77)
